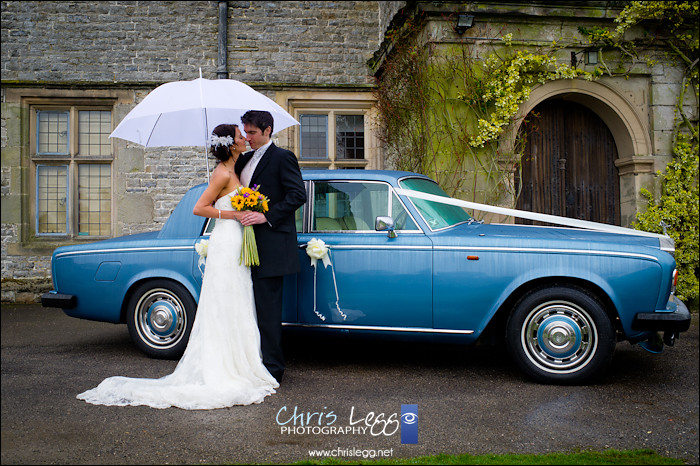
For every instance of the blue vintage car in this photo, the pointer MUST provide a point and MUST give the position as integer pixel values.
(400, 266)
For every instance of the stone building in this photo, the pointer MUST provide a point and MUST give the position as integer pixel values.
(594, 143)
(72, 70)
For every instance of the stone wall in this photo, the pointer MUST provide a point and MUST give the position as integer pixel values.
(637, 108)
(122, 50)
(311, 42)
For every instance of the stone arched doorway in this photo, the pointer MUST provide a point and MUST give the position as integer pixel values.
(626, 116)
(568, 164)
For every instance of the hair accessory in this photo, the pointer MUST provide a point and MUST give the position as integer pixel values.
(216, 141)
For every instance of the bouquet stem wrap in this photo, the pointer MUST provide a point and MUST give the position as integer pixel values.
(249, 249)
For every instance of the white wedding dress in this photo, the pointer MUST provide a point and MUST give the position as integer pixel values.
(222, 365)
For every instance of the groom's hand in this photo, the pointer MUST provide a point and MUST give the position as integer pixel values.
(253, 218)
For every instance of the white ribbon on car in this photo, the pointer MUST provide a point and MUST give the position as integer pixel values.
(202, 248)
(317, 249)
(554, 219)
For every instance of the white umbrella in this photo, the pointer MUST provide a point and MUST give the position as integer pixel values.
(183, 113)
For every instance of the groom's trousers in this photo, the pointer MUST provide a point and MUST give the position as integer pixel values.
(268, 302)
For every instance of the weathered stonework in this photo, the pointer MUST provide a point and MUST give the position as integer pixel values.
(639, 109)
(122, 50)
(308, 42)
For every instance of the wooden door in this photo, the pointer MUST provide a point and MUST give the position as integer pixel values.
(568, 165)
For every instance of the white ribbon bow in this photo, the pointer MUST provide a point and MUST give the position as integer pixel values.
(202, 248)
(317, 249)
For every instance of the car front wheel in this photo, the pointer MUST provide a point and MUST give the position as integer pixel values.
(560, 335)
(160, 314)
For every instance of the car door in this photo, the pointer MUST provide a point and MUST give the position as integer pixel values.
(382, 283)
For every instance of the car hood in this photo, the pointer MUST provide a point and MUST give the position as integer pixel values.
(549, 237)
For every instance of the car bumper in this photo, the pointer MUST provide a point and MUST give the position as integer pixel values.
(676, 321)
(63, 301)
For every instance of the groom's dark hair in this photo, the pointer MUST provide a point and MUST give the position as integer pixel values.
(260, 119)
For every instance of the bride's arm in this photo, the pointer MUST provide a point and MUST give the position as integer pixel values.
(205, 205)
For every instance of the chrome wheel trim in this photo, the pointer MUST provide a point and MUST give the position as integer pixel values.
(160, 318)
(559, 337)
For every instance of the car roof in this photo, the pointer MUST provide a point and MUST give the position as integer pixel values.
(374, 175)
(313, 174)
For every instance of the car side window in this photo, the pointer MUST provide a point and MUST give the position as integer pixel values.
(210, 226)
(299, 219)
(402, 220)
(348, 206)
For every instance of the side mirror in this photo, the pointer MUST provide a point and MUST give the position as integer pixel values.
(385, 224)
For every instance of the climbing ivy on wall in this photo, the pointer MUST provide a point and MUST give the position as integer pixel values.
(674, 25)
(444, 111)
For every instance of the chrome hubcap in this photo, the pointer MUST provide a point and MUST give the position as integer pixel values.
(161, 318)
(559, 337)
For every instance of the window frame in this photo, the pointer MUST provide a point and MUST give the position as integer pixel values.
(36, 200)
(300, 141)
(364, 132)
(332, 108)
(391, 193)
(72, 160)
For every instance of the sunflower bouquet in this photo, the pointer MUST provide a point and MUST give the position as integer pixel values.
(249, 199)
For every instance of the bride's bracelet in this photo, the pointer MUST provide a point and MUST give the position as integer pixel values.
(219, 212)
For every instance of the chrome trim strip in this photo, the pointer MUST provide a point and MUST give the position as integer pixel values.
(93, 251)
(375, 327)
(371, 246)
(364, 232)
(494, 249)
(410, 248)
(544, 250)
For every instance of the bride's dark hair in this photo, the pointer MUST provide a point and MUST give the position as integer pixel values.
(221, 152)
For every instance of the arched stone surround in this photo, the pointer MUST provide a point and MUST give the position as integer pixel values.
(628, 125)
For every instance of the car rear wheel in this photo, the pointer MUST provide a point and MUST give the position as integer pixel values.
(560, 335)
(160, 314)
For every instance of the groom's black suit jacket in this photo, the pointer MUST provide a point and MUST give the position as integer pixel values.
(279, 178)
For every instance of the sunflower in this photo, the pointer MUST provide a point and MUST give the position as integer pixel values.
(238, 202)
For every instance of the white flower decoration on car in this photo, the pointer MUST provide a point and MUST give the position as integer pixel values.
(202, 248)
(317, 250)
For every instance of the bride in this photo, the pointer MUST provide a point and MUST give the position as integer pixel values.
(222, 364)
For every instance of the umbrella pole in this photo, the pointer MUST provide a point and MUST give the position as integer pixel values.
(206, 129)
(206, 157)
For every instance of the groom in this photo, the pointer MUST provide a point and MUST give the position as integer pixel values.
(277, 173)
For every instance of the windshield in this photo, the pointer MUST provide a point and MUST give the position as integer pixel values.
(435, 214)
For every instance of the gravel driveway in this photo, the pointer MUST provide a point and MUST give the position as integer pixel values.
(469, 401)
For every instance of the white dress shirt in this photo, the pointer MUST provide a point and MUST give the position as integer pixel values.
(249, 169)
